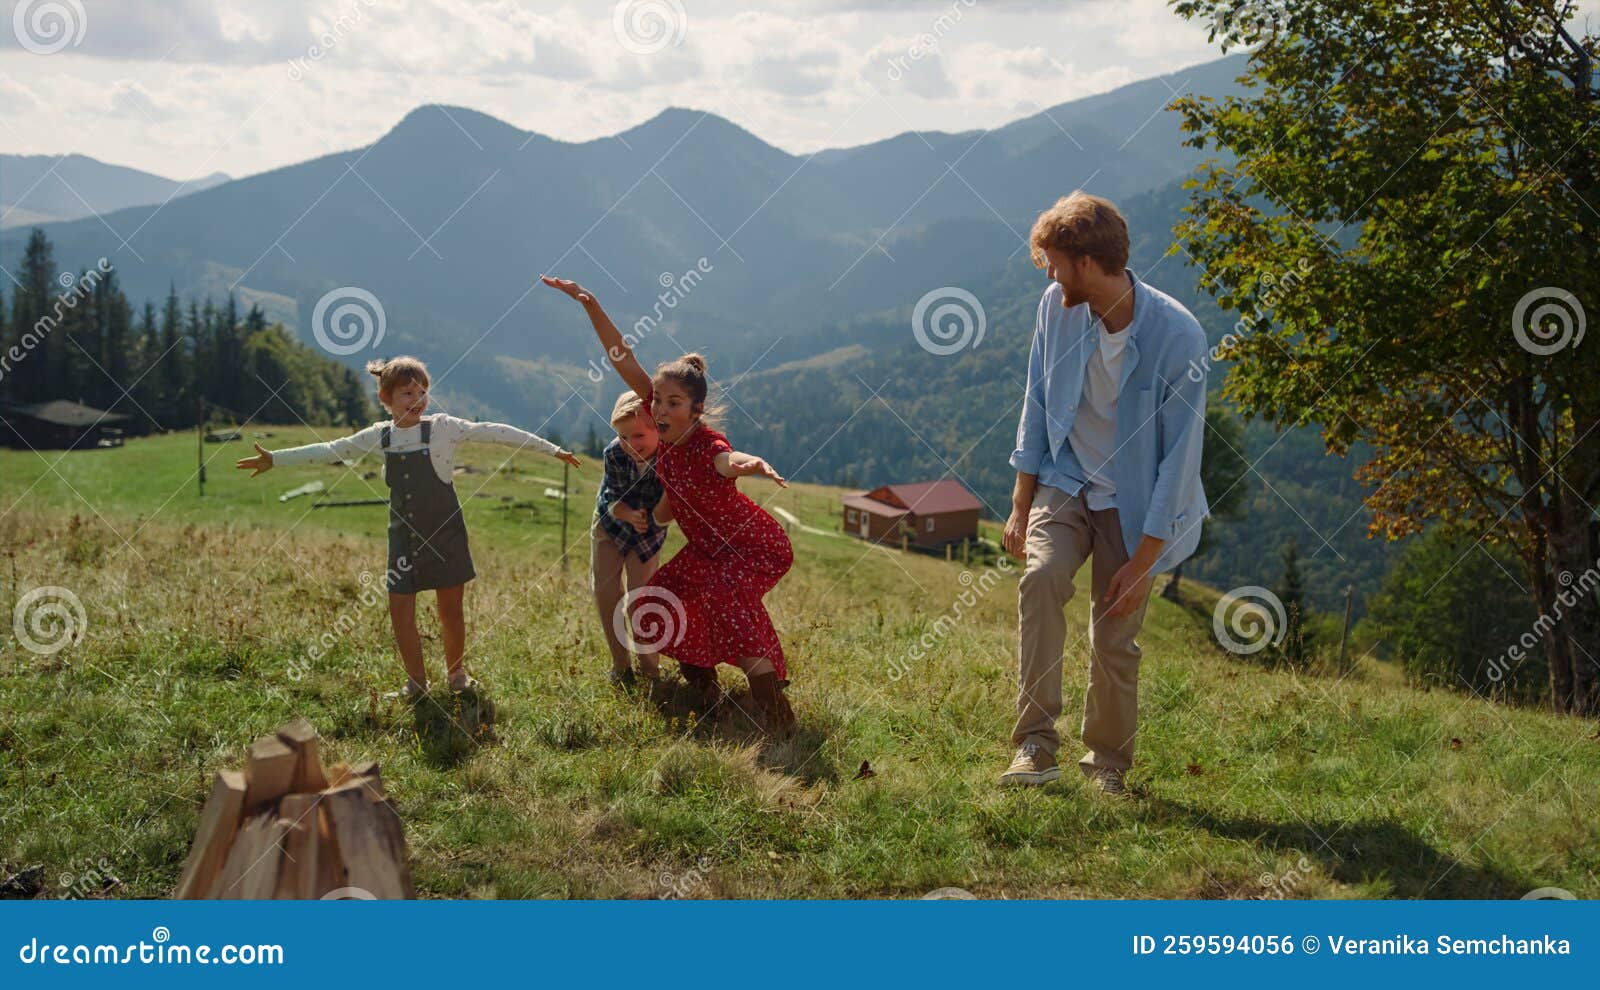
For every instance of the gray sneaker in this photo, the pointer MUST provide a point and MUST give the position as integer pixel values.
(1031, 767)
(1106, 779)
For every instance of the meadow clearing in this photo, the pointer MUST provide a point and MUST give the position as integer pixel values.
(206, 619)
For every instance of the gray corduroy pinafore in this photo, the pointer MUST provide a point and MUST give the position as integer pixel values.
(427, 536)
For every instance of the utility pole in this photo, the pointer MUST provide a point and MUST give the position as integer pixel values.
(200, 442)
(1344, 637)
(566, 469)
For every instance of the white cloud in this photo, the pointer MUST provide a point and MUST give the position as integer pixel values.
(242, 86)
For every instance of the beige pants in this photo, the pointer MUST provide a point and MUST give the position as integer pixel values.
(607, 567)
(1062, 534)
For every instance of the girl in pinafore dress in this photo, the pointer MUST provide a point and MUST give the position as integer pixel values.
(734, 552)
(427, 536)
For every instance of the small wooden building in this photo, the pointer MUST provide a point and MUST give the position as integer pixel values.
(58, 424)
(928, 513)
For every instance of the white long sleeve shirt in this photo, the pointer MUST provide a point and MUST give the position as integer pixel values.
(1093, 433)
(447, 433)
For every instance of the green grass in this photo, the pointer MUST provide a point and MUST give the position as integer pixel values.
(201, 614)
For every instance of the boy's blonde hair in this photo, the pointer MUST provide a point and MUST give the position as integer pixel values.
(397, 371)
(1083, 226)
(628, 405)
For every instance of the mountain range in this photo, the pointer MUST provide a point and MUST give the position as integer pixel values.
(41, 189)
(797, 275)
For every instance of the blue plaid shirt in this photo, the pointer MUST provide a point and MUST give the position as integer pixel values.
(637, 487)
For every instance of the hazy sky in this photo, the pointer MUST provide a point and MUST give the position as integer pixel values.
(189, 87)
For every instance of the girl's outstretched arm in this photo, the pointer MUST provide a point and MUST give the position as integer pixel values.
(737, 464)
(507, 435)
(257, 464)
(343, 449)
(617, 350)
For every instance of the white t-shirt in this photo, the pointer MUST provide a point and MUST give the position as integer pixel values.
(1094, 428)
(446, 433)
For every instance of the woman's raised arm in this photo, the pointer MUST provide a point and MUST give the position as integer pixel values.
(617, 350)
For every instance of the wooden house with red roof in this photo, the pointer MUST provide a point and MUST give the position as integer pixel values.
(926, 514)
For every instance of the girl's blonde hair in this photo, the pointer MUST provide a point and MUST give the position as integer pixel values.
(397, 371)
(689, 371)
(628, 405)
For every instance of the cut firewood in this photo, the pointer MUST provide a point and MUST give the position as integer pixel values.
(298, 872)
(302, 738)
(285, 828)
(367, 831)
(251, 872)
(365, 773)
(218, 822)
(270, 773)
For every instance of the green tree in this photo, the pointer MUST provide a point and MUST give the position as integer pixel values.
(1428, 170)
(1294, 650)
(172, 368)
(37, 329)
(1443, 611)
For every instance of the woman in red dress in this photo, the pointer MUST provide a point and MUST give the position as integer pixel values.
(703, 607)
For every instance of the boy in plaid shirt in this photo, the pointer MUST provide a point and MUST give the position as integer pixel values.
(626, 539)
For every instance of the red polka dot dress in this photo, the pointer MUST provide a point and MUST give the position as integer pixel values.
(735, 554)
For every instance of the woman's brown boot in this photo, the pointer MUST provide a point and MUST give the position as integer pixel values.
(777, 717)
(704, 682)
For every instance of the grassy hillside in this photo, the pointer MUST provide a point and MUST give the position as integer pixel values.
(201, 614)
